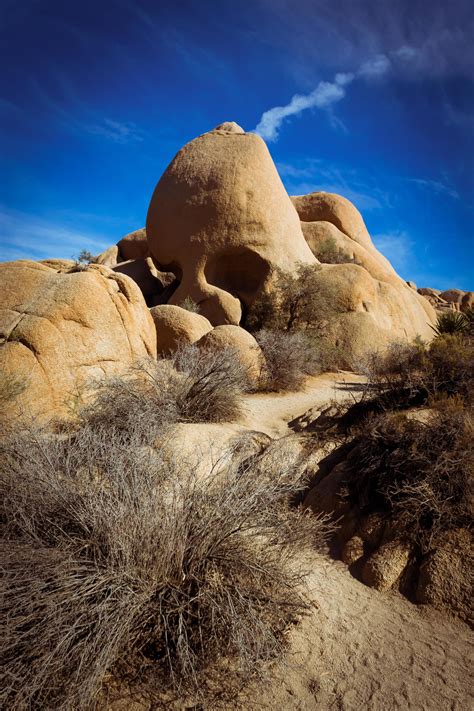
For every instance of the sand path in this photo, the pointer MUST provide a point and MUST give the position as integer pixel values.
(359, 649)
(365, 650)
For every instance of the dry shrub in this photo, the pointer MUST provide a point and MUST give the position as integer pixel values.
(193, 385)
(328, 252)
(123, 568)
(294, 302)
(411, 373)
(290, 357)
(418, 473)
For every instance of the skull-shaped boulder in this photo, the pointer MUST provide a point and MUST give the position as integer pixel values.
(221, 220)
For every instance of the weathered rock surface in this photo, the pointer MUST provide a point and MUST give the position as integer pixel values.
(134, 246)
(353, 550)
(176, 326)
(242, 342)
(384, 567)
(446, 578)
(221, 219)
(59, 329)
(374, 305)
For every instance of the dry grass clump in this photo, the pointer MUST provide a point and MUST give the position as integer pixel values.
(418, 473)
(193, 385)
(125, 569)
(290, 356)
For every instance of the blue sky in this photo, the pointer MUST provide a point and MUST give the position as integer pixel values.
(372, 100)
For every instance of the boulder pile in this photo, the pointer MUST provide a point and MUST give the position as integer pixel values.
(220, 226)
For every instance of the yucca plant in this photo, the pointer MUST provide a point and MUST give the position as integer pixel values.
(453, 323)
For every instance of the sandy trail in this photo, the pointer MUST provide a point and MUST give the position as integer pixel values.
(361, 649)
(271, 412)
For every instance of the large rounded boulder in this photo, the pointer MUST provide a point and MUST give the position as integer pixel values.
(241, 342)
(221, 220)
(177, 327)
(60, 328)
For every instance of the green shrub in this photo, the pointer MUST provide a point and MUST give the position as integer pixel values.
(294, 302)
(452, 323)
(328, 252)
(290, 356)
(190, 305)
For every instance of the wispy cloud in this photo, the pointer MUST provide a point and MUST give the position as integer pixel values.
(375, 68)
(397, 247)
(26, 236)
(119, 132)
(322, 97)
(313, 174)
(74, 115)
(433, 40)
(325, 94)
(435, 186)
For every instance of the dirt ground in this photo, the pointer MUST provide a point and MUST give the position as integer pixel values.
(359, 649)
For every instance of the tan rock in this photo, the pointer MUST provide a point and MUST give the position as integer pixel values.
(134, 246)
(353, 550)
(384, 567)
(446, 578)
(425, 291)
(467, 301)
(59, 265)
(412, 285)
(325, 495)
(317, 233)
(453, 296)
(176, 326)
(371, 529)
(337, 210)
(109, 258)
(145, 275)
(368, 314)
(246, 347)
(221, 219)
(375, 305)
(60, 329)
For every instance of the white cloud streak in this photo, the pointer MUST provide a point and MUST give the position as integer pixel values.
(322, 97)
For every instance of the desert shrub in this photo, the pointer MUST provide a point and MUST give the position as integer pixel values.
(418, 473)
(406, 374)
(328, 252)
(451, 322)
(451, 366)
(190, 305)
(294, 302)
(125, 570)
(193, 385)
(11, 386)
(290, 357)
(84, 257)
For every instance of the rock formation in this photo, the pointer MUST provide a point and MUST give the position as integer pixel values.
(242, 342)
(60, 328)
(176, 326)
(221, 220)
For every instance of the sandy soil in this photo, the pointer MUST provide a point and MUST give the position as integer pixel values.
(358, 649)
(271, 412)
(361, 649)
